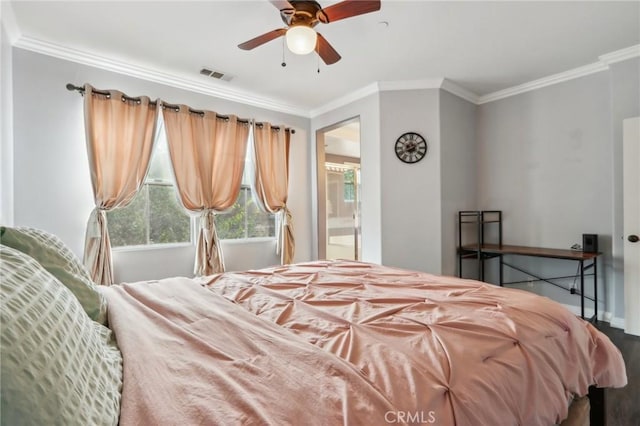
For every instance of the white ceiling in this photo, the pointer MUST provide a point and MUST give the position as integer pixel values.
(483, 47)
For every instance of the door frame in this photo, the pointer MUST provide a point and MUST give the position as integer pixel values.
(321, 182)
(631, 211)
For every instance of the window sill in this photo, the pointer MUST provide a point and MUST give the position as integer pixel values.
(151, 247)
(249, 240)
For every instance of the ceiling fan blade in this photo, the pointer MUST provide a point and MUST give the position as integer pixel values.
(282, 4)
(255, 42)
(347, 9)
(326, 51)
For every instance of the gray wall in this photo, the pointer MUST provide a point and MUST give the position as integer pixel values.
(411, 208)
(51, 180)
(368, 111)
(458, 159)
(411, 193)
(6, 124)
(550, 160)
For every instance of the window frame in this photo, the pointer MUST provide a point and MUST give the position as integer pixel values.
(193, 224)
(160, 137)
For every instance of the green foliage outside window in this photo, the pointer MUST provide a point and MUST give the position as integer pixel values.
(156, 217)
(153, 217)
(349, 185)
(245, 220)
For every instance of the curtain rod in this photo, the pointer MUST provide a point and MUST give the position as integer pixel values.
(80, 89)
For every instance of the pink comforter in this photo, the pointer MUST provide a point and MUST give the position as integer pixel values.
(190, 357)
(452, 351)
(339, 343)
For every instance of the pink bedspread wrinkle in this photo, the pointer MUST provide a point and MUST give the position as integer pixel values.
(465, 352)
(193, 358)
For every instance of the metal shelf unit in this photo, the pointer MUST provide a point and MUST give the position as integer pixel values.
(480, 250)
(479, 219)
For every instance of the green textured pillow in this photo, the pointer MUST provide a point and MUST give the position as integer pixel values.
(58, 367)
(54, 256)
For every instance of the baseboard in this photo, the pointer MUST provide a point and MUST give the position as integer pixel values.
(588, 312)
(617, 323)
(614, 322)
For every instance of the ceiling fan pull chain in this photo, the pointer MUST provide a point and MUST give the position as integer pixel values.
(284, 64)
(318, 58)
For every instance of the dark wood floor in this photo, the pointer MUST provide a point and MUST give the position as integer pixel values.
(623, 405)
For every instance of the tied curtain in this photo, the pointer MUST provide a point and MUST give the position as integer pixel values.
(120, 134)
(271, 182)
(207, 152)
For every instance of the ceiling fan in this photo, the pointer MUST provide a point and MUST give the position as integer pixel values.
(301, 16)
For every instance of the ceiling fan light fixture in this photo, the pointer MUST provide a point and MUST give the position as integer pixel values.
(301, 39)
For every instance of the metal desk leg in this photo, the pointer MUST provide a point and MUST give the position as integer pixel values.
(501, 271)
(595, 288)
(582, 288)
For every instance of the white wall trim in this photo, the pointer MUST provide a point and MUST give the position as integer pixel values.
(604, 61)
(346, 99)
(620, 55)
(544, 82)
(383, 86)
(460, 91)
(245, 97)
(157, 76)
(429, 83)
(617, 323)
(588, 312)
(614, 322)
(9, 22)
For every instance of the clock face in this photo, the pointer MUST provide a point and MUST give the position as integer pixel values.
(411, 147)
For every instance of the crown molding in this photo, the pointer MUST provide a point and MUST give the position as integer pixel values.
(460, 91)
(543, 82)
(620, 55)
(156, 76)
(431, 83)
(604, 61)
(9, 22)
(189, 83)
(346, 99)
(385, 86)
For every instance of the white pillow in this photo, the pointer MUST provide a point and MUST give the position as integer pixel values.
(54, 256)
(58, 366)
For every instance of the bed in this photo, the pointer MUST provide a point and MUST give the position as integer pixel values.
(331, 342)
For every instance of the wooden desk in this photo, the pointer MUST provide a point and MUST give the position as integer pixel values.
(485, 251)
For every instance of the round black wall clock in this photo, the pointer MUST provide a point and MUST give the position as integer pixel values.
(411, 147)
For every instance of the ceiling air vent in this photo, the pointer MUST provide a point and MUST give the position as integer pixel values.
(215, 74)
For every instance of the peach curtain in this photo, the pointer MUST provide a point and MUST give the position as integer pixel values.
(271, 182)
(120, 133)
(207, 153)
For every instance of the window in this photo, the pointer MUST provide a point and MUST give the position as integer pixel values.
(155, 215)
(349, 185)
(245, 219)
